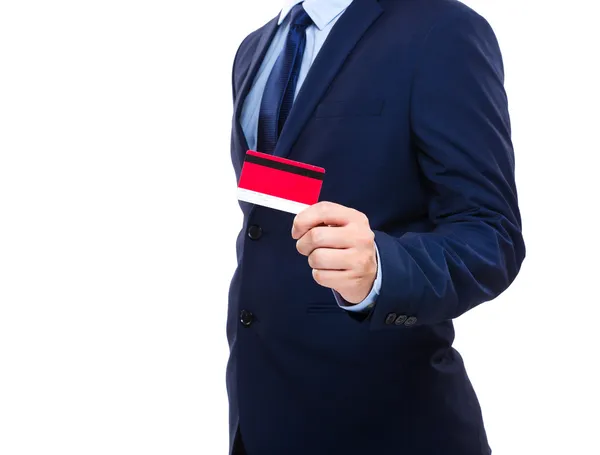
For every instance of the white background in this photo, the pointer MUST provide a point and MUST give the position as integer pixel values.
(118, 219)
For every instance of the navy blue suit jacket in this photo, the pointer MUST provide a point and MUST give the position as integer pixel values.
(405, 109)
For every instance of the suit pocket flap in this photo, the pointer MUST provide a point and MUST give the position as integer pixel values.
(354, 108)
(324, 308)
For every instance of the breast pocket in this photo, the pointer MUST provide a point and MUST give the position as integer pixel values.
(350, 108)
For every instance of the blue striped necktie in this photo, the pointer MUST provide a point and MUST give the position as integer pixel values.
(279, 92)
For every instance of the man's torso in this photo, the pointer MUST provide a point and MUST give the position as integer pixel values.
(304, 377)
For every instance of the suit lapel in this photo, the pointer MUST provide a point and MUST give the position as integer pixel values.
(344, 36)
(259, 54)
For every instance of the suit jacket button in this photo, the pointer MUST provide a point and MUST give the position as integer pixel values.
(254, 232)
(410, 321)
(400, 319)
(246, 318)
(390, 318)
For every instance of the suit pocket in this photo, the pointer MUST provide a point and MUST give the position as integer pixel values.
(324, 308)
(354, 108)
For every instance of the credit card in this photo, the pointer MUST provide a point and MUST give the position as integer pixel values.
(279, 183)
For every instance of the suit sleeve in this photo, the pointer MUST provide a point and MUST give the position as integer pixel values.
(461, 130)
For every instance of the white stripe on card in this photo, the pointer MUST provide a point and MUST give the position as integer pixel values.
(273, 202)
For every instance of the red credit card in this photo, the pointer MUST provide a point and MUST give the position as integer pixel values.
(279, 183)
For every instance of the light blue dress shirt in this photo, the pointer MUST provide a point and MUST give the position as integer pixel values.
(324, 14)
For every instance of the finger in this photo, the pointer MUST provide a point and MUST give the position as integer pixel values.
(324, 237)
(331, 259)
(333, 279)
(321, 213)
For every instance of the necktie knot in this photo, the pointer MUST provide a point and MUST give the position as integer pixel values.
(300, 17)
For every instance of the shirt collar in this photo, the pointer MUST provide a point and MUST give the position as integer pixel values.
(322, 12)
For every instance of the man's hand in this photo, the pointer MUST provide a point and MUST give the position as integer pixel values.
(340, 247)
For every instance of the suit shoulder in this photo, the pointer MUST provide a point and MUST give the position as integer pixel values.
(456, 11)
(458, 30)
(248, 44)
(459, 20)
(434, 13)
(249, 40)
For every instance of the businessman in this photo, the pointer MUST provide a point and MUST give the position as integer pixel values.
(340, 318)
